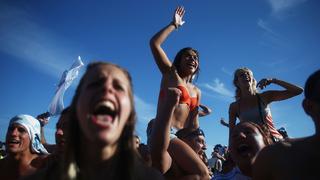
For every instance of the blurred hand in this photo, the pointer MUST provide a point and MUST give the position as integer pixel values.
(173, 96)
(264, 83)
(43, 118)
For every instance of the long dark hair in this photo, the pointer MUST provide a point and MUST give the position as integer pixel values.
(125, 155)
(177, 61)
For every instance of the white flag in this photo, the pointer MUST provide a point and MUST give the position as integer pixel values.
(56, 106)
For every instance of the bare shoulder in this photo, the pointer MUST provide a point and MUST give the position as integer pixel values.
(198, 91)
(233, 106)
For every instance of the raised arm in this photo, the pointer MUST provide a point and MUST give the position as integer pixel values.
(160, 134)
(44, 119)
(291, 90)
(161, 58)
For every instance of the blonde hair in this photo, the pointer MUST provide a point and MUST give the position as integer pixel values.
(235, 80)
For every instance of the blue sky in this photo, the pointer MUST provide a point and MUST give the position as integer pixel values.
(274, 38)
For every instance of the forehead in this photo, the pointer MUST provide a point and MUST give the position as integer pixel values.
(198, 137)
(107, 70)
(17, 125)
(63, 120)
(242, 71)
(244, 127)
(190, 52)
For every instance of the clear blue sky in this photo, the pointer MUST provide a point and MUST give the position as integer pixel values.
(274, 38)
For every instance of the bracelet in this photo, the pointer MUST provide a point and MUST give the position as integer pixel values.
(274, 80)
(175, 25)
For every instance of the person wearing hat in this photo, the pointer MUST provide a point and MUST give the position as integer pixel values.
(25, 153)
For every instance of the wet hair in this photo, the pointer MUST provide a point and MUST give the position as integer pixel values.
(235, 80)
(178, 58)
(125, 154)
(312, 87)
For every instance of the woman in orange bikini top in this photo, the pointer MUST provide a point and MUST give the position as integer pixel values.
(177, 76)
(185, 98)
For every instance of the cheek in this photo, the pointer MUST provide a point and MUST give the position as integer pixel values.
(26, 140)
(126, 109)
(82, 107)
(258, 139)
(127, 106)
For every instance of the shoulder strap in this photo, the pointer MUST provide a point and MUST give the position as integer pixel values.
(260, 109)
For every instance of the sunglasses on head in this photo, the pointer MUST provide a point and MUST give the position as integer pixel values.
(197, 132)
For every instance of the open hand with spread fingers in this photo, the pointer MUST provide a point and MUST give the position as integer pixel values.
(178, 15)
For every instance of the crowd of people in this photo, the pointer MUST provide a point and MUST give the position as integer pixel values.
(95, 135)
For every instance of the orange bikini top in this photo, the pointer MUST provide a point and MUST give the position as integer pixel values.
(185, 98)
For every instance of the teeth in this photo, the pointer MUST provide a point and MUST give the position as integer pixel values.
(107, 104)
(14, 141)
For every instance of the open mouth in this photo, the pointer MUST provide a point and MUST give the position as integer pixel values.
(104, 114)
(191, 64)
(13, 142)
(243, 149)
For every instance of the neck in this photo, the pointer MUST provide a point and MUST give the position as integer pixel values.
(247, 171)
(94, 154)
(185, 78)
(247, 92)
(22, 157)
(97, 160)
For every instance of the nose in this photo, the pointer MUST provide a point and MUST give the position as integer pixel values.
(204, 147)
(59, 132)
(14, 131)
(242, 135)
(108, 86)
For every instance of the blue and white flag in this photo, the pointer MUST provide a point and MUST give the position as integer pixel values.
(56, 106)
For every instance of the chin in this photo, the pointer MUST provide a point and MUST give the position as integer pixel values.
(106, 138)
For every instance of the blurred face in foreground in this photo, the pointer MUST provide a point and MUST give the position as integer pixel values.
(246, 142)
(104, 104)
(61, 128)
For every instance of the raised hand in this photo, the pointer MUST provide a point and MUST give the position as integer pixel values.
(264, 83)
(43, 118)
(177, 18)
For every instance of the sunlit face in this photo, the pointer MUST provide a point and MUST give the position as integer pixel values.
(197, 143)
(246, 142)
(104, 104)
(17, 139)
(244, 78)
(190, 62)
(61, 128)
